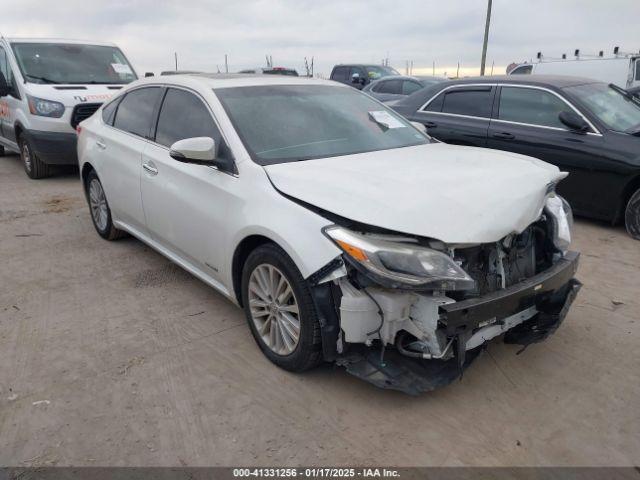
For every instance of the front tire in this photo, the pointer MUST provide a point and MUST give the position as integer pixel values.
(280, 310)
(632, 215)
(99, 208)
(33, 166)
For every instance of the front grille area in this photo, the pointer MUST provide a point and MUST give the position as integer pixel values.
(82, 112)
(519, 263)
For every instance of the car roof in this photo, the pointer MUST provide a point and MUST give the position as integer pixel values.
(558, 81)
(65, 41)
(359, 65)
(226, 80)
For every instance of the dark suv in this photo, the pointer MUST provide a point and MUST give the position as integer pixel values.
(585, 127)
(360, 75)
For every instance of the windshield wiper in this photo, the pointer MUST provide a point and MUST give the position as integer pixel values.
(42, 79)
(621, 91)
(635, 131)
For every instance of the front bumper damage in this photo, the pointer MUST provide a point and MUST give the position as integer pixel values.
(527, 312)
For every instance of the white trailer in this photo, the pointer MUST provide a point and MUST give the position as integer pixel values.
(621, 70)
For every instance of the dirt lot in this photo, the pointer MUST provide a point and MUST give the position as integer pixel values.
(110, 355)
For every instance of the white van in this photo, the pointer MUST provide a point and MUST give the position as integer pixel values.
(623, 71)
(49, 86)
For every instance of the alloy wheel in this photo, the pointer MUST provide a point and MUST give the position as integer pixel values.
(274, 309)
(98, 204)
(26, 157)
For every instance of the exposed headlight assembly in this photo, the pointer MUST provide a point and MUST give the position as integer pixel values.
(45, 108)
(561, 218)
(398, 265)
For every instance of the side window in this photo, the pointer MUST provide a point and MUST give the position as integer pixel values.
(391, 86)
(4, 64)
(474, 102)
(409, 86)
(109, 111)
(436, 104)
(135, 111)
(183, 115)
(533, 106)
(638, 70)
(340, 74)
(5, 68)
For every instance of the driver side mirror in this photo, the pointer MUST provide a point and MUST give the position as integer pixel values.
(574, 121)
(200, 151)
(5, 88)
(357, 79)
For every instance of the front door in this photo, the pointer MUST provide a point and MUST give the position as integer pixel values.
(186, 204)
(526, 122)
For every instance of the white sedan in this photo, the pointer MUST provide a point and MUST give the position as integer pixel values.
(344, 231)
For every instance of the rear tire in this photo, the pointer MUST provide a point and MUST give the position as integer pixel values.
(99, 209)
(632, 215)
(33, 166)
(280, 310)
(2, 151)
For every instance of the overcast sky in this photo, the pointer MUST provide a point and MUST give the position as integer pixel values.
(332, 31)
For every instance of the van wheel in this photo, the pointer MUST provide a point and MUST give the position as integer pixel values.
(1, 151)
(280, 311)
(632, 215)
(33, 166)
(100, 211)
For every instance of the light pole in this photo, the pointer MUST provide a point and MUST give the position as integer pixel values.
(486, 38)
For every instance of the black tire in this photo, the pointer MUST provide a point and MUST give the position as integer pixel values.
(2, 152)
(308, 352)
(632, 215)
(33, 166)
(107, 230)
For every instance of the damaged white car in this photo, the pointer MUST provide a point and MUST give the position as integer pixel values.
(345, 233)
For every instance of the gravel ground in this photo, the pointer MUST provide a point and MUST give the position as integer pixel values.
(111, 355)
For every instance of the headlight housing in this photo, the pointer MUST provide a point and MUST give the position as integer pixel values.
(398, 265)
(45, 108)
(561, 218)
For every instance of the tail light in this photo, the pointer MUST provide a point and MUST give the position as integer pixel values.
(78, 129)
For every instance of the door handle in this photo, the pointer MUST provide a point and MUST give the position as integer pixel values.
(504, 135)
(101, 145)
(430, 124)
(150, 168)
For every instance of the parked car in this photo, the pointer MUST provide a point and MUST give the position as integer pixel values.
(47, 87)
(272, 71)
(587, 128)
(343, 231)
(623, 70)
(397, 87)
(359, 76)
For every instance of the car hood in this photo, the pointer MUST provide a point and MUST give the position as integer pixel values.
(450, 193)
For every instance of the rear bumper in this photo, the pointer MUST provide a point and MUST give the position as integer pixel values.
(54, 148)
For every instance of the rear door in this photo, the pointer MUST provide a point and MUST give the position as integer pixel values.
(120, 150)
(526, 121)
(186, 204)
(459, 114)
